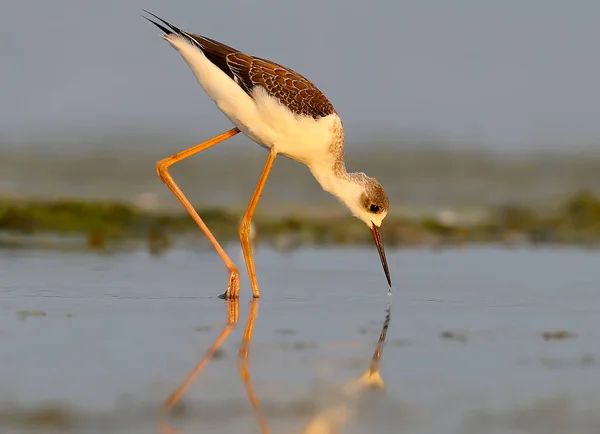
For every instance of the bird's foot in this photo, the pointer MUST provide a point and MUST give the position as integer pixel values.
(233, 287)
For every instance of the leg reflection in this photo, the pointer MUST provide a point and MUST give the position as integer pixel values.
(243, 366)
(243, 359)
(232, 319)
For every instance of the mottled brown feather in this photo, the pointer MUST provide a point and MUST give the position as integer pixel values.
(291, 89)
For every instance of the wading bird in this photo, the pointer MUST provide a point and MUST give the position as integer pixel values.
(284, 113)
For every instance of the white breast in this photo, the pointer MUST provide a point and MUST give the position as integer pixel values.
(262, 118)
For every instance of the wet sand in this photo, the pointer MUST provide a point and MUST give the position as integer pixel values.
(480, 340)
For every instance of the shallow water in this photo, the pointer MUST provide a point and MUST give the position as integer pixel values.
(102, 340)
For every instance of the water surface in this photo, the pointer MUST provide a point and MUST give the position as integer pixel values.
(104, 339)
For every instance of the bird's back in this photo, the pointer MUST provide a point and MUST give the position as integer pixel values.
(290, 88)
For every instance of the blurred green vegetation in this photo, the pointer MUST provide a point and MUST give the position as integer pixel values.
(415, 174)
(576, 221)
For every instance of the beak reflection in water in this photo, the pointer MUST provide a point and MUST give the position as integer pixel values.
(379, 243)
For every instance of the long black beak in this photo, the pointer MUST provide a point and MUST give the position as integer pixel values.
(379, 243)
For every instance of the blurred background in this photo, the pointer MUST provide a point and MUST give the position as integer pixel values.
(458, 109)
(479, 118)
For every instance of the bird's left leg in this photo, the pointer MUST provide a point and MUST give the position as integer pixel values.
(244, 229)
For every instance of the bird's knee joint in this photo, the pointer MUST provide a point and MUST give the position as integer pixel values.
(244, 229)
(161, 168)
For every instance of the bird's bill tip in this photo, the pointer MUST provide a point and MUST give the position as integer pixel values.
(379, 243)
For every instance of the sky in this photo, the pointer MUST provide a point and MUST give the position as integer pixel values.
(506, 75)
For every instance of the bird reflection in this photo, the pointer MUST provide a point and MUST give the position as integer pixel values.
(329, 420)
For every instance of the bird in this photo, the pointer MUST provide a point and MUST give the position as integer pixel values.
(283, 112)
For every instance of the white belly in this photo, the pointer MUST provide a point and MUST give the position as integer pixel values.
(262, 118)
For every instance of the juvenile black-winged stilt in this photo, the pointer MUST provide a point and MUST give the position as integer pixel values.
(284, 113)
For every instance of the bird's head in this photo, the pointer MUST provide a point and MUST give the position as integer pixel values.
(369, 203)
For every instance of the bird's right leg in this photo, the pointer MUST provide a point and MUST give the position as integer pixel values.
(233, 287)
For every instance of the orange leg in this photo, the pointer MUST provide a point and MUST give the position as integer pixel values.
(243, 366)
(232, 319)
(162, 168)
(244, 230)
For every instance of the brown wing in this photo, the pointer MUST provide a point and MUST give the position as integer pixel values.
(215, 51)
(290, 88)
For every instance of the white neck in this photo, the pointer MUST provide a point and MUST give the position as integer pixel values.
(335, 180)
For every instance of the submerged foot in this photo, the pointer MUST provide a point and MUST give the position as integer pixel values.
(233, 288)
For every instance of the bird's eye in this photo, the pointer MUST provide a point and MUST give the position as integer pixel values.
(373, 208)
